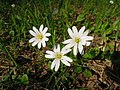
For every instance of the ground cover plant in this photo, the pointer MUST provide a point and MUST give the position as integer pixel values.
(59, 44)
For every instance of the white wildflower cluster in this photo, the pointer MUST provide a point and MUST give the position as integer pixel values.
(77, 40)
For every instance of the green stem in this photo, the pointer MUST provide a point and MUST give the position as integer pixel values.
(10, 56)
(116, 38)
(50, 79)
(60, 76)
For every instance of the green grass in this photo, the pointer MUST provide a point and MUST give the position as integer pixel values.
(99, 16)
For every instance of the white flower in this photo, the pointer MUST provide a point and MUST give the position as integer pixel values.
(111, 2)
(13, 5)
(40, 36)
(78, 39)
(59, 56)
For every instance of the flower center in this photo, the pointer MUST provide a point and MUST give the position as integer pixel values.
(39, 36)
(77, 40)
(58, 55)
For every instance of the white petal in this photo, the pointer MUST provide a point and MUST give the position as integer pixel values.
(75, 50)
(83, 42)
(87, 38)
(35, 42)
(45, 30)
(67, 58)
(53, 64)
(57, 65)
(67, 41)
(50, 52)
(55, 49)
(58, 48)
(41, 28)
(80, 48)
(32, 33)
(70, 32)
(68, 46)
(47, 34)
(32, 40)
(65, 62)
(65, 51)
(39, 45)
(36, 30)
(86, 33)
(82, 30)
(45, 39)
(43, 43)
(88, 43)
(50, 56)
(75, 35)
(74, 29)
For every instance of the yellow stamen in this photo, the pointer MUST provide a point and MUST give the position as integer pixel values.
(77, 40)
(39, 36)
(58, 55)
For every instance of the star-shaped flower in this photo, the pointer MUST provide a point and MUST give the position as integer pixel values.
(59, 55)
(40, 36)
(78, 39)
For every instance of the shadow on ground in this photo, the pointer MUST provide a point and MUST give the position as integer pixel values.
(114, 71)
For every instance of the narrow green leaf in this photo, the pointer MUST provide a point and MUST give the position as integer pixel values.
(81, 17)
